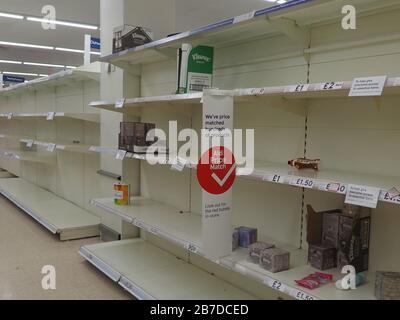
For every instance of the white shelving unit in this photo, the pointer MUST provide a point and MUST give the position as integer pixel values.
(57, 215)
(46, 130)
(275, 63)
(150, 273)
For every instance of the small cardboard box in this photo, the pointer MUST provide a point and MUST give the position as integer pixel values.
(275, 259)
(255, 250)
(127, 36)
(134, 134)
(330, 229)
(322, 257)
(387, 285)
(247, 236)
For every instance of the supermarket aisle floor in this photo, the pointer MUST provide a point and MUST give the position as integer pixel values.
(25, 247)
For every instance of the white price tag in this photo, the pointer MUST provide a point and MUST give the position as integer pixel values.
(192, 248)
(51, 147)
(50, 115)
(120, 155)
(178, 164)
(244, 17)
(29, 144)
(369, 86)
(274, 284)
(119, 103)
(392, 195)
(362, 196)
(93, 148)
(331, 85)
(9, 115)
(60, 147)
(300, 295)
(302, 182)
(275, 178)
(396, 82)
(333, 187)
(297, 88)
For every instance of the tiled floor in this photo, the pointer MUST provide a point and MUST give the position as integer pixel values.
(25, 247)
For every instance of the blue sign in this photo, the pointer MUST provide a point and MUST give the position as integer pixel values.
(13, 78)
(95, 43)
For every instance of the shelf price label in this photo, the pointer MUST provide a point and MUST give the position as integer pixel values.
(178, 164)
(120, 155)
(274, 284)
(362, 196)
(119, 103)
(302, 182)
(368, 86)
(9, 116)
(275, 178)
(29, 144)
(192, 248)
(392, 195)
(300, 295)
(297, 88)
(331, 85)
(51, 147)
(244, 17)
(334, 187)
(50, 115)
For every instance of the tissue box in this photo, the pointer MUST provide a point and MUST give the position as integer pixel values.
(247, 236)
(322, 257)
(127, 36)
(387, 285)
(275, 259)
(255, 250)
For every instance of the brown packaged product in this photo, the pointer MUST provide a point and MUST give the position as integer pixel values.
(354, 233)
(275, 259)
(322, 257)
(255, 250)
(304, 163)
(356, 211)
(387, 285)
(330, 229)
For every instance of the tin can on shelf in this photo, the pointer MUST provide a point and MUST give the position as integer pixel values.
(121, 194)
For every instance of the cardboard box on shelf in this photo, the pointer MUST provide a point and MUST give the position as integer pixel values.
(387, 285)
(353, 234)
(127, 36)
(322, 257)
(275, 259)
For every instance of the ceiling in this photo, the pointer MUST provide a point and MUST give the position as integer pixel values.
(189, 14)
(11, 30)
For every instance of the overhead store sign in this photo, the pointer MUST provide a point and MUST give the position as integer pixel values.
(7, 78)
(95, 43)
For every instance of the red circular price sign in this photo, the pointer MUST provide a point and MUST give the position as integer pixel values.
(216, 170)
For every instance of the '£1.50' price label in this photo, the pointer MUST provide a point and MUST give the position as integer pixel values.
(302, 182)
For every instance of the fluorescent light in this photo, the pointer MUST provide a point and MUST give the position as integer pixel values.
(11, 15)
(69, 50)
(20, 73)
(27, 45)
(281, 1)
(70, 67)
(63, 23)
(11, 61)
(76, 50)
(43, 75)
(44, 64)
